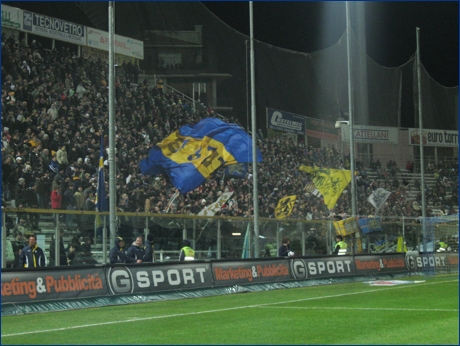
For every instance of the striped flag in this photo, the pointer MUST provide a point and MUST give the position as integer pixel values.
(311, 188)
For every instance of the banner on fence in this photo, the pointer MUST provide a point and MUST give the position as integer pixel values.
(34, 285)
(346, 227)
(250, 272)
(370, 224)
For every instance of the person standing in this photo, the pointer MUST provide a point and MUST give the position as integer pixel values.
(285, 248)
(340, 246)
(32, 256)
(62, 254)
(56, 200)
(149, 249)
(136, 251)
(118, 252)
(186, 253)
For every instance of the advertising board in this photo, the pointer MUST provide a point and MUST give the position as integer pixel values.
(250, 272)
(35, 285)
(54, 28)
(285, 121)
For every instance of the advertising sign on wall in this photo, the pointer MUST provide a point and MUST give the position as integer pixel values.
(250, 272)
(370, 134)
(434, 138)
(316, 268)
(137, 279)
(321, 129)
(285, 121)
(11, 17)
(54, 28)
(32, 285)
(370, 264)
(123, 45)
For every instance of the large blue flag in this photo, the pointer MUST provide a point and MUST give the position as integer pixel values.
(101, 196)
(191, 154)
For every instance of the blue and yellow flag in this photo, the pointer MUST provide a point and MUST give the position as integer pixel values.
(284, 207)
(101, 196)
(191, 154)
(238, 170)
(329, 182)
(346, 227)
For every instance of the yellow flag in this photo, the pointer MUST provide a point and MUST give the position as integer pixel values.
(401, 246)
(284, 207)
(329, 182)
(346, 227)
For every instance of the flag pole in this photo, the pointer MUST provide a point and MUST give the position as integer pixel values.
(255, 192)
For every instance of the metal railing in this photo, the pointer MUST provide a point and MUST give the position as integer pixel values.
(212, 237)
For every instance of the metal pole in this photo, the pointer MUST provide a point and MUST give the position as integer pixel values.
(350, 112)
(420, 124)
(56, 242)
(219, 241)
(111, 159)
(255, 191)
(3, 240)
(104, 241)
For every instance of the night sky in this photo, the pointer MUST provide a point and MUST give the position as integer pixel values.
(390, 29)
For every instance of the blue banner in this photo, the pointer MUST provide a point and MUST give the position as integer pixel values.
(190, 155)
(369, 225)
(286, 122)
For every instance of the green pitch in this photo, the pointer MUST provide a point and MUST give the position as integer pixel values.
(354, 313)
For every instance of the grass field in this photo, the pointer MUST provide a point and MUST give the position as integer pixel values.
(352, 313)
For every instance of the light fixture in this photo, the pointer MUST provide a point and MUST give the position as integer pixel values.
(339, 123)
(236, 234)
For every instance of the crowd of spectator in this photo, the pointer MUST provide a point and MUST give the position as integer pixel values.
(55, 109)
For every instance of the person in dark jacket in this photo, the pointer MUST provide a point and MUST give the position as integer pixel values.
(118, 252)
(285, 249)
(136, 251)
(62, 254)
(72, 254)
(32, 256)
(149, 249)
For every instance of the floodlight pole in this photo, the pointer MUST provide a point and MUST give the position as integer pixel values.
(111, 159)
(350, 112)
(255, 191)
(420, 124)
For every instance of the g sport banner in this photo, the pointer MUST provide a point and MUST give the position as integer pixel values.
(346, 227)
(191, 154)
(329, 182)
(284, 207)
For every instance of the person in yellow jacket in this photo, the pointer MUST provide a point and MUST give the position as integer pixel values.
(340, 246)
(442, 246)
(186, 253)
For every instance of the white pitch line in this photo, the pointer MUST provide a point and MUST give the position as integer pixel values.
(137, 319)
(344, 308)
